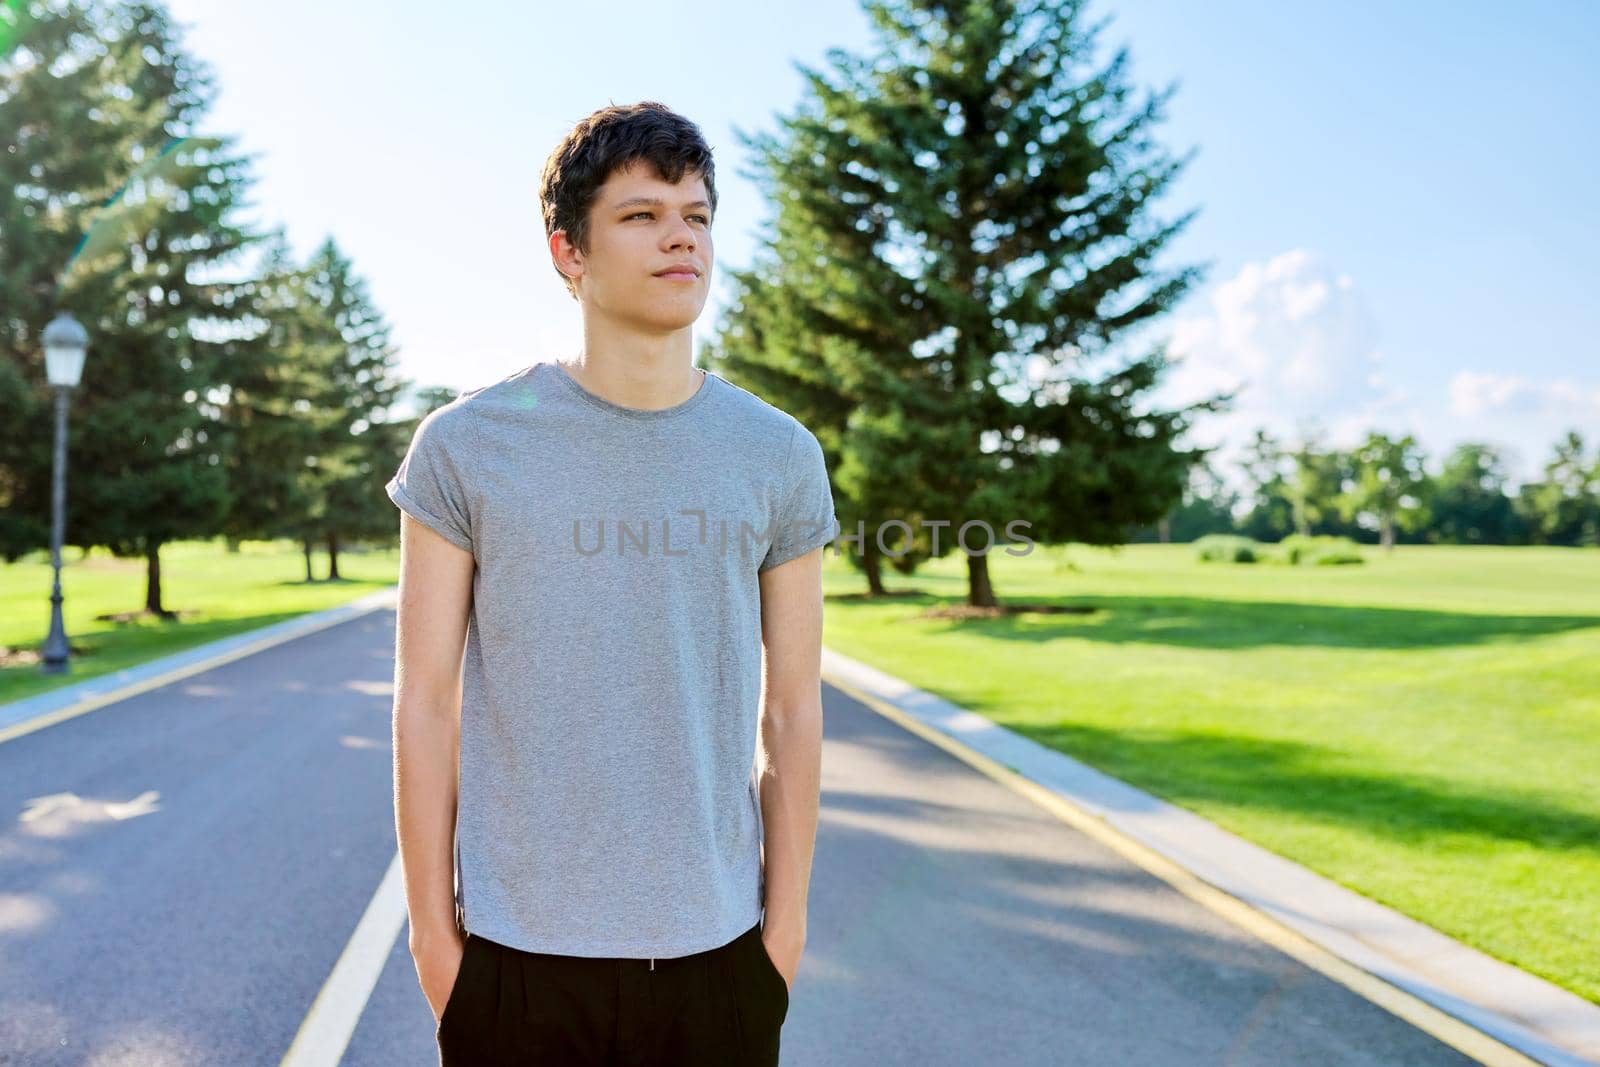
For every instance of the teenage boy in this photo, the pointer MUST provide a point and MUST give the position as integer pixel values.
(610, 592)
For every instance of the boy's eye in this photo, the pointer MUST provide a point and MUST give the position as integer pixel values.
(637, 214)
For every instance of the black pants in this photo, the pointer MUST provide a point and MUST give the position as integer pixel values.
(723, 1006)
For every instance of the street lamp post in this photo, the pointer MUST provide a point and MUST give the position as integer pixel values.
(65, 342)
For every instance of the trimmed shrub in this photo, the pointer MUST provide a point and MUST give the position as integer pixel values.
(1227, 548)
(1319, 549)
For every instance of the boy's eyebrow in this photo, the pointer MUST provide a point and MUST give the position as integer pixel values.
(652, 201)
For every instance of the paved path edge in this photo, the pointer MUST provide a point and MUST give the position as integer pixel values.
(1536, 1017)
(24, 716)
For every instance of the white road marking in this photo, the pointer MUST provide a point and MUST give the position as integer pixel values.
(82, 809)
(326, 1030)
(143, 804)
(38, 807)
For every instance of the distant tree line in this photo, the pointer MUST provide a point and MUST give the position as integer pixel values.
(1384, 492)
(229, 390)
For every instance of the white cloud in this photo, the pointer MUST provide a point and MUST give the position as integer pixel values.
(1525, 417)
(1511, 396)
(1295, 338)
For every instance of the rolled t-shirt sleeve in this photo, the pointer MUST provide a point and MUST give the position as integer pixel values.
(429, 487)
(806, 518)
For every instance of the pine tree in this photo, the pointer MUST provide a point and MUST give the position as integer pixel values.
(273, 431)
(67, 142)
(148, 279)
(359, 447)
(961, 230)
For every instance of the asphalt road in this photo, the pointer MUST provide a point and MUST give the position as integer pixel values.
(179, 873)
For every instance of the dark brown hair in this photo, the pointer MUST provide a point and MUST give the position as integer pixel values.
(611, 139)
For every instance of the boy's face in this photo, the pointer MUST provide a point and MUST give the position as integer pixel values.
(639, 227)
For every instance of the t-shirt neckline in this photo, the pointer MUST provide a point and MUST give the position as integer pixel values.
(603, 404)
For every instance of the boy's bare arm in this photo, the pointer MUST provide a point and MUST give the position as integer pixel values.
(790, 748)
(435, 602)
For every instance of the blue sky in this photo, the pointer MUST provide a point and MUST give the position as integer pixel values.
(1392, 196)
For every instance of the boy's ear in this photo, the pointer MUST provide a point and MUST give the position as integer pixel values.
(565, 255)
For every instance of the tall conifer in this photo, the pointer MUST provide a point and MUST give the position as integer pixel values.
(117, 208)
(962, 231)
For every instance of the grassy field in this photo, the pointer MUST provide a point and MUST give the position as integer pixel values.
(217, 593)
(1423, 728)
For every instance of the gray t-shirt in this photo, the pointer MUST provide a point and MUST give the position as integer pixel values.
(609, 804)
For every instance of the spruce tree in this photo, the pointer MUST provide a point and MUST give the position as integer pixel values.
(273, 430)
(68, 136)
(961, 235)
(358, 447)
(147, 272)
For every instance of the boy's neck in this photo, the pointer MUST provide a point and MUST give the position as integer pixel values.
(637, 370)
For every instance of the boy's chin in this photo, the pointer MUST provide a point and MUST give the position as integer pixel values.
(670, 318)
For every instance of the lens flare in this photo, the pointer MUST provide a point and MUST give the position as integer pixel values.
(137, 205)
(14, 23)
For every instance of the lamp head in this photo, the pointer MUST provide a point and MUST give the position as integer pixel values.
(65, 343)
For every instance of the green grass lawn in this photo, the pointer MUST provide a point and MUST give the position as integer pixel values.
(218, 594)
(1423, 728)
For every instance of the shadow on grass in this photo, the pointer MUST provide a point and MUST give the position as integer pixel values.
(1320, 783)
(1202, 622)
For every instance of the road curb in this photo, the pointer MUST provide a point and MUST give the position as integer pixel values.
(1479, 1005)
(21, 717)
